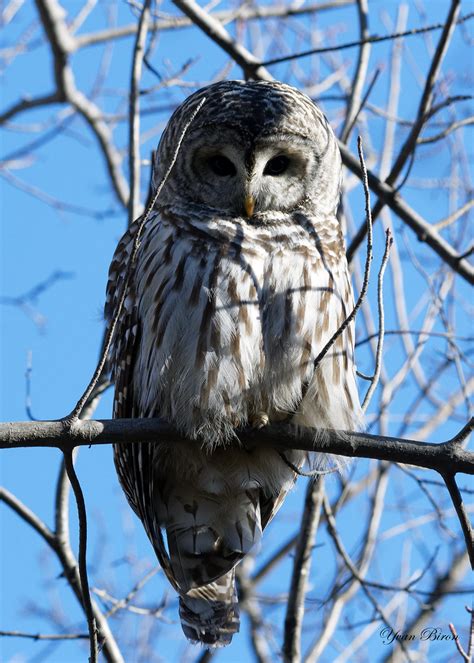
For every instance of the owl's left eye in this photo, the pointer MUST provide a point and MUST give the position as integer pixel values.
(221, 166)
(277, 165)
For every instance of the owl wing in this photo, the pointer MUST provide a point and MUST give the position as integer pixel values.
(134, 462)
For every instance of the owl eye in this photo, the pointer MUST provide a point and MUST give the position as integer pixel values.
(276, 166)
(221, 166)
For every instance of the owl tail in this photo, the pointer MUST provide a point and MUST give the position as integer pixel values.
(210, 614)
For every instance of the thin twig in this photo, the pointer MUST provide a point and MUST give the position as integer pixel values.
(448, 220)
(466, 122)
(134, 113)
(28, 104)
(122, 603)
(470, 649)
(45, 636)
(459, 646)
(381, 316)
(369, 538)
(356, 573)
(82, 516)
(28, 516)
(242, 13)
(363, 102)
(415, 332)
(456, 497)
(370, 40)
(415, 221)
(354, 105)
(443, 585)
(300, 472)
(409, 146)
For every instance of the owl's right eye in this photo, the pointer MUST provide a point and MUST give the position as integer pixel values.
(221, 166)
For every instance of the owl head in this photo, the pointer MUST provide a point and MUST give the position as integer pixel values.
(253, 149)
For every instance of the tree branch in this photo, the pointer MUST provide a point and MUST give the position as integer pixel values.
(370, 40)
(60, 545)
(384, 191)
(134, 114)
(422, 228)
(249, 63)
(408, 148)
(82, 517)
(301, 568)
(444, 457)
(242, 13)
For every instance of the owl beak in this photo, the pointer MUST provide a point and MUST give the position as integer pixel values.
(249, 205)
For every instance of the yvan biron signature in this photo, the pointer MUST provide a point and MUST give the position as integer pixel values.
(432, 633)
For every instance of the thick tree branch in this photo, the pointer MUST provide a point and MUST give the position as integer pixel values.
(445, 457)
(62, 44)
(249, 63)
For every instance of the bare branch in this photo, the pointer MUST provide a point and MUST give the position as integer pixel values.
(459, 647)
(248, 62)
(442, 585)
(28, 516)
(456, 498)
(61, 434)
(82, 515)
(357, 574)
(134, 113)
(378, 356)
(59, 543)
(454, 216)
(62, 45)
(466, 122)
(27, 104)
(242, 13)
(409, 146)
(370, 40)
(45, 636)
(422, 228)
(357, 86)
(301, 568)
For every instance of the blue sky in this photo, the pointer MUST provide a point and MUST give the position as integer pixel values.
(38, 240)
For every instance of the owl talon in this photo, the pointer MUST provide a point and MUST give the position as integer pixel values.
(259, 420)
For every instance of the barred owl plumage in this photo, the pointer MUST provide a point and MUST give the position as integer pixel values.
(240, 280)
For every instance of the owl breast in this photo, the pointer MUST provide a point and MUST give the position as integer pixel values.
(234, 316)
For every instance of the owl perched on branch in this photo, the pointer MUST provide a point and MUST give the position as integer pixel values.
(240, 280)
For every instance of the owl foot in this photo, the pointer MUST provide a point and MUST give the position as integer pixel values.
(259, 420)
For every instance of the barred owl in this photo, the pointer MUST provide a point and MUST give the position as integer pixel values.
(240, 280)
